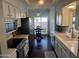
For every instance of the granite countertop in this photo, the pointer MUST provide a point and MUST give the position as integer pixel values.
(70, 43)
(21, 36)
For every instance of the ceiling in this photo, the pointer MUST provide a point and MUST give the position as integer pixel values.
(47, 3)
(34, 3)
(71, 6)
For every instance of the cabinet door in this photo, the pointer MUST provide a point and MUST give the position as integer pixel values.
(12, 12)
(59, 51)
(6, 9)
(58, 48)
(64, 54)
(66, 17)
(17, 13)
(20, 14)
(24, 14)
(18, 22)
(72, 55)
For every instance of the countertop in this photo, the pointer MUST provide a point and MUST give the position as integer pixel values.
(70, 43)
(21, 36)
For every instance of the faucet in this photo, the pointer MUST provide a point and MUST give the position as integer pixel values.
(72, 32)
(76, 34)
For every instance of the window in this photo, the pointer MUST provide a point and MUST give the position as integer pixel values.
(43, 22)
(74, 22)
(58, 21)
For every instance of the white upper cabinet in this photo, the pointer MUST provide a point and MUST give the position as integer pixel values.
(6, 9)
(17, 12)
(18, 22)
(12, 12)
(21, 14)
(66, 17)
(24, 14)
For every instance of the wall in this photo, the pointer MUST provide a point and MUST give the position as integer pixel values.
(50, 13)
(33, 13)
(59, 5)
(67, 15)
(52, 21)
(3, 42)
(77, 15)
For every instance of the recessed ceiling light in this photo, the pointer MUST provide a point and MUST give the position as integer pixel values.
(71, 7)
(41, 2)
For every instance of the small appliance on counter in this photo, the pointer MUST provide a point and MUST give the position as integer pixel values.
(60, 28)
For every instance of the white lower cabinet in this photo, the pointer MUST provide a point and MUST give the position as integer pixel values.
(64, 54)
(72, 55)
(56, 47)
(59, 51)
(62, 51)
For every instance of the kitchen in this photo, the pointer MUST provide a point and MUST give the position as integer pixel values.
(63, 26)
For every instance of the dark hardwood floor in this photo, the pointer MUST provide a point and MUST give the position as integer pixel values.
(40, 47)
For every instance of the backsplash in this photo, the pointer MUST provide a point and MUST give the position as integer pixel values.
(9, 36)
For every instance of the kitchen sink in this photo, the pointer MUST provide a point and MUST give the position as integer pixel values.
(66, 38)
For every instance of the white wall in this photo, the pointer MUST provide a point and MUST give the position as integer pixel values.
(52, 21)
(50, 13)
(77, 15)
(3, 42)
(33, 13)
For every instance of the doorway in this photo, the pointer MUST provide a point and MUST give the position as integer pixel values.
(43, 23)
